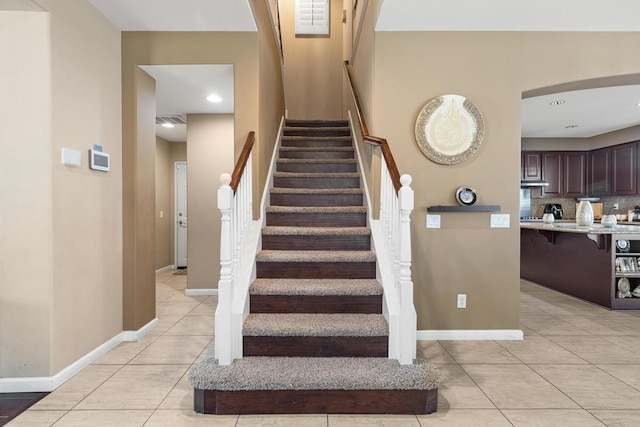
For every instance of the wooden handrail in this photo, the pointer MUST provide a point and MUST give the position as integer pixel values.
(242, 161)
(374, 140)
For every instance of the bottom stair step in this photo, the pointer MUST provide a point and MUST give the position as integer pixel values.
(275, 385)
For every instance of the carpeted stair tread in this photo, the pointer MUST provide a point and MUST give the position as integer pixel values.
(314, 373)
(315, 256)
(314, 161)
(317, 209)
(285, 190)
(316, 175)
(314, 325)
(316, 149)
(316, 287)
(315, 123)
(315, 138)
(323, 128)
(277, 230)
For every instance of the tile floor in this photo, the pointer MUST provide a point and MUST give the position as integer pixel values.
(578, 365)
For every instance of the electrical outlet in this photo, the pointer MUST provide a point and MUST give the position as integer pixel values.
(616, 206)
(462, 300)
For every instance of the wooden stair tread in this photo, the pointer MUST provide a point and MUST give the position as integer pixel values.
(314, 325)
(317, 287)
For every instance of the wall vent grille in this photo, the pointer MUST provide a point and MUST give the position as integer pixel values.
(176, 120)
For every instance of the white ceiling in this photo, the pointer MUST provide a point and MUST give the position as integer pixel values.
(183, 89)
(178, 15)
(593, 111)
(509, 15)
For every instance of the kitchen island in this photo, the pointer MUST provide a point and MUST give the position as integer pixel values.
(580, 260)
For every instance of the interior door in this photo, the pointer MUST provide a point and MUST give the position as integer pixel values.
(181, 213)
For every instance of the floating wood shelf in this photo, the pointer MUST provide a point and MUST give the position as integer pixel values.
(459, 208)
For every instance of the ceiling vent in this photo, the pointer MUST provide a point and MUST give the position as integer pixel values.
(175, 120)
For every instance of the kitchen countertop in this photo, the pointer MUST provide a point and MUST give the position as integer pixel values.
(572, 227)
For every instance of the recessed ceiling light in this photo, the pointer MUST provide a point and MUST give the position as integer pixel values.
(571, 126)
(168, 125)
(557, 102)
(214, 98)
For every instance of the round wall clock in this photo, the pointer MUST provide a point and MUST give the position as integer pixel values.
(466, 196)
(449, 129)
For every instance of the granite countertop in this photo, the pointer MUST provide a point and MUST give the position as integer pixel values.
(572, 227)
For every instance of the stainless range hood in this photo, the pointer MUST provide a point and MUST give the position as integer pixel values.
(531, 184)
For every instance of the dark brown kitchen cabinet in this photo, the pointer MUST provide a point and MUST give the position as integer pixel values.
(565, 172)
(599, 175)
(574, 174)
(624, 162)
(530, 166)
(552, 163)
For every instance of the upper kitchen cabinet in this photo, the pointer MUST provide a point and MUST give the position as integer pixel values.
(575, 173)
(552, 164)
(565, 172)
(530, 166)
(599, 175)
(624, 162)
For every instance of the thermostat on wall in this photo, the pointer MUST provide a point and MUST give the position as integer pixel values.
(99, 161)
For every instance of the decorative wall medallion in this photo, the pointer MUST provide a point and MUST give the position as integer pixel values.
(449, 129)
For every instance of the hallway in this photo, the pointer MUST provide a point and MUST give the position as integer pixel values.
(577, 366)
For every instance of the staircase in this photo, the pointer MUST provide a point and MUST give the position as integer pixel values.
(316, 339)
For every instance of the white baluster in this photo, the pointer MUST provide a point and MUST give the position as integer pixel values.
(225, 284)
(408, 320)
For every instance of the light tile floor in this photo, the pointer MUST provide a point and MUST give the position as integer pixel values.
(578, 365)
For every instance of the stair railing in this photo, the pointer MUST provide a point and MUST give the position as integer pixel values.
(235, 204)
(392, 242)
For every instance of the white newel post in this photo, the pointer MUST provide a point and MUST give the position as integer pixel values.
(407, 311)
(223, 350)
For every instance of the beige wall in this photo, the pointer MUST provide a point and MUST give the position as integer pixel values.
(210, 153)
(362, 68)
(139, 152)
(560, 144)
(465, 255)
(87, 205)
(313, 67)
(61, 247)
(164, 207)
(271, 98)
(614, 138)
(26, 230)
(157, 48)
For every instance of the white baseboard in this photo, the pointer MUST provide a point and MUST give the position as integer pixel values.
(40, 384)
(137, 335)
(165, 269)
(470, 334)
(200, 292)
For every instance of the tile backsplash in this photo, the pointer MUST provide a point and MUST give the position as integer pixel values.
(569, 205)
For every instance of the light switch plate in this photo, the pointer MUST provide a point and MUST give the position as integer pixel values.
(500, 221)
(433, 221)
(70, 157)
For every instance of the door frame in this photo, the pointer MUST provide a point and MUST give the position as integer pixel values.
(175, 212)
